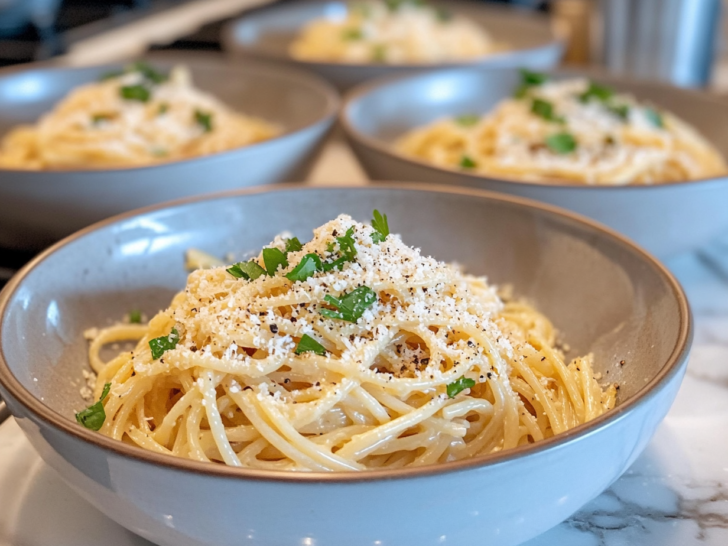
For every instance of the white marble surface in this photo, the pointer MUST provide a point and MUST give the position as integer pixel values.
(676, 494)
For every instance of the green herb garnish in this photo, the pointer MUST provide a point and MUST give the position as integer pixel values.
(351, 306)
(467, 163)
(467, 120)
(93, 417)
(381, 227)
(459, 385)
(347, 249)
(598, 92)
(293, 245)
(561, 143)
(379, 53)
(545, 109)
(147, 71)
(619, 110)
(310, 345)
(655, 118)
(273, 258)
(135, 316)
(135, 92)
(528, 80)
(162, 109)
(249, 270)
(160, 345)
(352, 34)
(204, 119)
(308, 266)
(98, 118)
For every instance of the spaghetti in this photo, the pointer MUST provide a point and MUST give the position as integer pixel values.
(393, 32)
(351, 352)
(570, 131)
(133, 118)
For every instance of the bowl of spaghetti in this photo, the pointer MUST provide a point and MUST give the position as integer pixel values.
(81, 144)
(340, 347)
(351, 42)
(644, 158)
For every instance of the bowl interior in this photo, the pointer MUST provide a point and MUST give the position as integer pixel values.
(269, 31)
(603, 294)
(292, 100)
(386, 111)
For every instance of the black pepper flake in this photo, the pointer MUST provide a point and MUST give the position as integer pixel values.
(293, 319)
(273, 328)
(470, 343)
(286, 380)
(543, 358)
(248, 388)
(621, 362)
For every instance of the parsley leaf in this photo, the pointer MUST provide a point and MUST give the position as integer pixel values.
(561, 143)
(249, 270)
(273, 258)
(293, 245)
(352, 34)
(163, 108)
(135, 316)
(347, 248)
(135, 92)
(467, 163)
(459, 385)
(654, 117)
(204, 119)
(310, 345)
(545, 109)
(598, 92)
(147, 71)
(351, 306)
(309, 265)
(160, 345)
(381, 226)
(619, 110)
(467, 120)
(93, 417)
(528, 80)
(98, 118)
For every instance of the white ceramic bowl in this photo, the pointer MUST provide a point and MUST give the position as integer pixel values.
(664, 218)
(604, 295)
(266, 34)
(40, 207)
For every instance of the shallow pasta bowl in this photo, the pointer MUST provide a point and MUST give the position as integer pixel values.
(266, 33)
(40, 207)
(604, 295)
(664, 218)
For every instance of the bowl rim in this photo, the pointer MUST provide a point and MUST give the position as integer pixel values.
(290, 77)
(361, 91)
(56, 421)
(232, 45)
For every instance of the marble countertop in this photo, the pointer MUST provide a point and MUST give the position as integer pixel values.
(676, 494)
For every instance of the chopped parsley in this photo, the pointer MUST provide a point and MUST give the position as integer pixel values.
(249, 270)
(137, 92)
(351, 306)
(528, 80)
(135, 316)
(346, 248)
(162, 109)
(308, 266)
(598, 92)
(98, 118)
(310, 345)
(619, 110)
(160, 345)
(352, 34)
(467, 120)
(458, 386)
(93, 417)
(381, 227)
(379, 53)
(561, 143)
(654, 117)
(467, 163)
(293, 245)
(146, 70)
(273, 258)
(204, 119)
(545, 110)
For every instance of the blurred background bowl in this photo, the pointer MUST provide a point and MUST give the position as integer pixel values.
(266, 34)
(40, 207)
(563, 264)
(664, 218)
